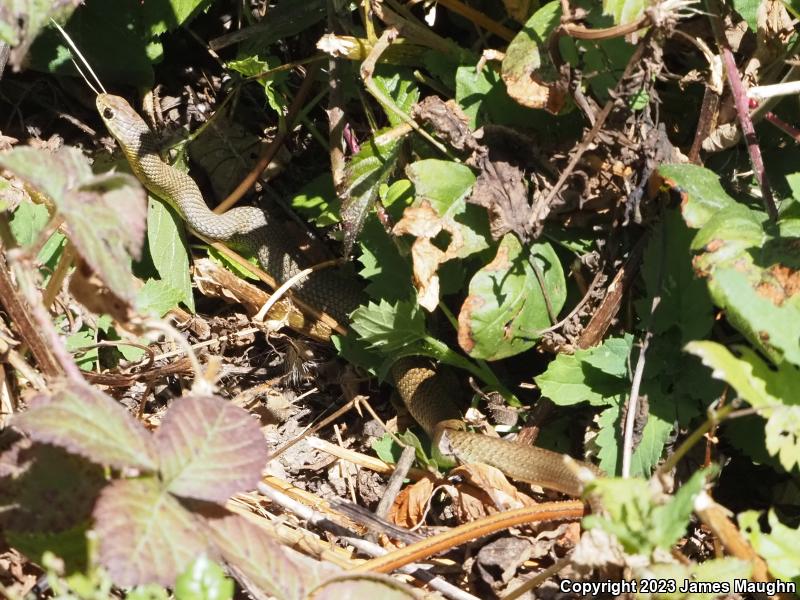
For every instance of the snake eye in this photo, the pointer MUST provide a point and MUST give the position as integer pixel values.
(108, 113)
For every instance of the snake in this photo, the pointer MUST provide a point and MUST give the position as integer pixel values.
(425, 389)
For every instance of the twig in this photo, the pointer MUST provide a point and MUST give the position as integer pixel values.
(366, 72)
(318, 519)
(537, 580)
(396, 481)
(272, 149)
(742, 107)
(545, 512)
(19, 314)
(201, 385)
(418, 571)
(290, 283)
(633, 62)
(636, 384)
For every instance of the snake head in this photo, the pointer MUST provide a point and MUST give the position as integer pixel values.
(122, 121)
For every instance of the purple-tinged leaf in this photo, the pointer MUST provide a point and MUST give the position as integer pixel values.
(209, 449)
(46, 489)
(256, 559)
(145, 535)
(88, 422)
(105, 213)
(364, 585)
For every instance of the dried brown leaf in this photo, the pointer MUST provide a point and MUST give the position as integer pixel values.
(424, 223)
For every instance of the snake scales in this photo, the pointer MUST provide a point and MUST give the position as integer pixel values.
(423, 390)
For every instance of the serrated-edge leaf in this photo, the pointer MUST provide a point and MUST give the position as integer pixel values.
(253, 555)
(389, 327)
(86, 421)
(145, 535)
(209, 449)
(734, 371)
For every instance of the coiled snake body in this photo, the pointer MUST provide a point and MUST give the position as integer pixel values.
(423, 390)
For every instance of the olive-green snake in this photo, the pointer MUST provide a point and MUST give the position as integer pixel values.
(424, 391)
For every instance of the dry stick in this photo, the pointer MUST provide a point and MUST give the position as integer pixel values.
(314, 429)
(636, 384)
(20, 315)
(589, 137)
(272, 149)
(715, 518)
(538, 579)
(316, 518)
(396, 481)
(290, 283)
(418, 571)
(546, 512)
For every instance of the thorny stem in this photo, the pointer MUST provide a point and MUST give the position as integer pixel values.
(742, 107)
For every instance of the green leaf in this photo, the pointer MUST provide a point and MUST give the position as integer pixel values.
(597, 375)
(624, 11)
(636, 517)
(388, 273)
(232, 266)
(667, 272)
(389, 327)
(528, 72)
(166, 239)
(753, 380)
(748, 9)
(769, 324)
(700, 189)
(446, 185)
(727, 237)
(654, 437)
(86, 421)
(119, 39)
(144, 534)
(209, 449)
(783, 435)
(83, 338)
(203, 580)
(400, 86)
(506, 305)
(778, 547)
(317, 201)
(669, 521)
(157, 297)
(23, 20)
(365, 173)
(28, 221)
(387, 449)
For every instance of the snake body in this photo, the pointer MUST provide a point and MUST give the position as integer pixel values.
(425, 392)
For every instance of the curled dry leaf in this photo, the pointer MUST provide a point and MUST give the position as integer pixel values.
(530, 76)
(424, 223)
(501, 190)
(411, 503)
(486, 491)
